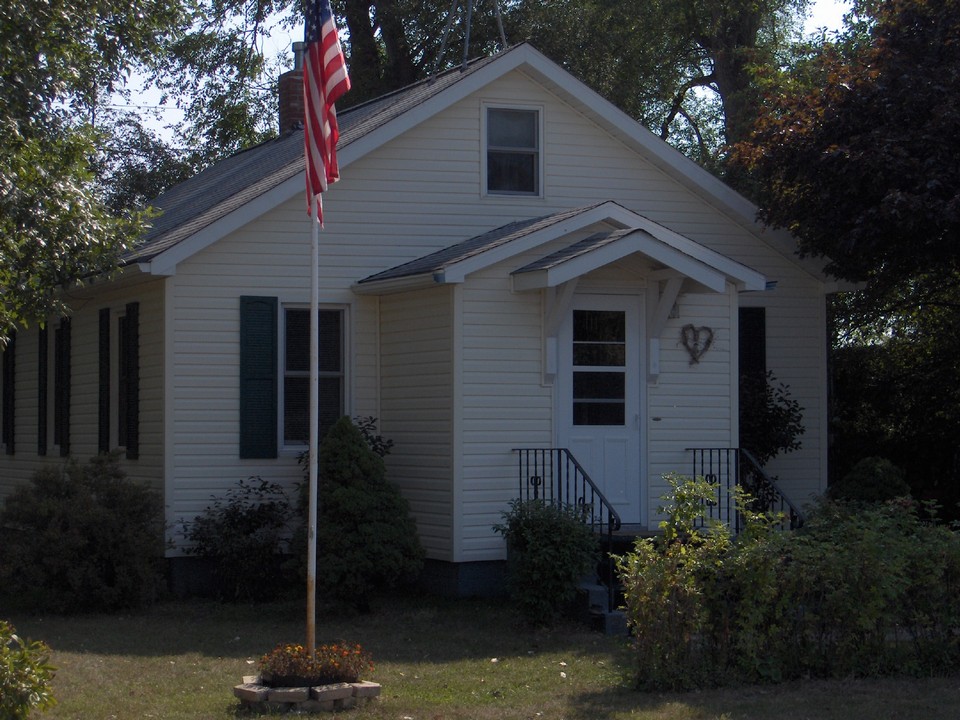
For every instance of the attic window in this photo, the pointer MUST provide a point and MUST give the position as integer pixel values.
(513, 154)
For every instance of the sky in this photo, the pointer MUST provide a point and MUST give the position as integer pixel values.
(823, 13)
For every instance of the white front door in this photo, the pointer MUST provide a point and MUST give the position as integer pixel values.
(599, 395)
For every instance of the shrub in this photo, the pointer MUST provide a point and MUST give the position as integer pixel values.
(25, 675)
(858, 591)
(664, 584)
(872, 479)
(771, 421)
(82, 538)
(244, 534)
(367, 540)
(293, 666)
(550, 549)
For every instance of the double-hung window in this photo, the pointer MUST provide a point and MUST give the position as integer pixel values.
(296, 373)
(513, 150)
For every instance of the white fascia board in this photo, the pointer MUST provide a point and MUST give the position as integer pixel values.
(608, 212)
(166, 262)
(671, 161)
(408, 120)
(636, 242)
(395, 285)
(739, 273)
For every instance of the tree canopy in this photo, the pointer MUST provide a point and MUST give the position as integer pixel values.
(70, 181)
(684, 68)
(863, 167)
(860, 159)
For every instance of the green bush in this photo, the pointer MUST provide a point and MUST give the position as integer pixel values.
(367, 539)
(872, 479)
(82, 538)
(25, 675)
(771, 421)
(245, 534)
(858, 591)
(663, 584)
(550, 549)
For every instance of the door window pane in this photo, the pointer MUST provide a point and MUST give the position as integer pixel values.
(599, 341)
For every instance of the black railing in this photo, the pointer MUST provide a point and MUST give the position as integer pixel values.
(728, 467)
(554, 476)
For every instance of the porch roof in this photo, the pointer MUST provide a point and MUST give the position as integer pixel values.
(623, 233)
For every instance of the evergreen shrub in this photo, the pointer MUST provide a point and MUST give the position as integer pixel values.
(871, 479)
(367, 540)
(82, 538)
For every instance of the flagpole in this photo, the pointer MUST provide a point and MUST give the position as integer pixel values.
(314, 427)
(325, 79)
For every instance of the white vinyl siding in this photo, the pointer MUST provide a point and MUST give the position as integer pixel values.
(455, 374)
(416, 340)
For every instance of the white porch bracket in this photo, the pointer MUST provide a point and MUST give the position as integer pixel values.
(659, 304)
(557, 303)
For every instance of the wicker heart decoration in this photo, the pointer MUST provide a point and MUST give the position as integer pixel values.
(697, 340)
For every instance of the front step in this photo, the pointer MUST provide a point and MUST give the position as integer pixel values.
(594, 601)
(595, 610)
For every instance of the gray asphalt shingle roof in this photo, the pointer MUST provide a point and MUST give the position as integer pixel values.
(230, 183)
(441, 259)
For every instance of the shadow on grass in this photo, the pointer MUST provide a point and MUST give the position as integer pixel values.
(406, 628)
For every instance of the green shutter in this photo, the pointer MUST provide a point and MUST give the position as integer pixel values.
(43, 369)
(258, 377)
(103, 396)
(9, 391)
(62, 372)
(131, 351)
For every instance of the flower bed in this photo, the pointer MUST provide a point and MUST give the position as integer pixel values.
(293, 679)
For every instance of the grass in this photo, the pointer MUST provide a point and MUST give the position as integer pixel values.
(436, 660)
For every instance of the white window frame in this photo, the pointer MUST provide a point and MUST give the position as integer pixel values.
(485, 108)
(283, 373)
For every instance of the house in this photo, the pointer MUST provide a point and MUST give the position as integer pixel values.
(508, 262)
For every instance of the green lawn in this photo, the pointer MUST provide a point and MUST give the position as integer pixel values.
(436, 660)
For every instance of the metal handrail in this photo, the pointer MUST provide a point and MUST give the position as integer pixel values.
(554, 476)
(723, 467)
(567, 479)
(779, 497)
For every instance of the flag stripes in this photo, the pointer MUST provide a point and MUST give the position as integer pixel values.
(325, 80)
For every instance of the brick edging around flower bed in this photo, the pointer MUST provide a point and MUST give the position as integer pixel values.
(321, 698)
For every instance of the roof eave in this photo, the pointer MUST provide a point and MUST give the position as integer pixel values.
(394, 285)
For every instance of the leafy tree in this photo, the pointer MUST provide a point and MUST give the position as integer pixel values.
(858, 158)
(64, 204)
(55, 60)
(862, 168)
(685, 68)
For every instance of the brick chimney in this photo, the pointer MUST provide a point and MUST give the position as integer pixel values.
(290, 87)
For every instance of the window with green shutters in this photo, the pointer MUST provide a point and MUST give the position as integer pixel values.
(275, 374)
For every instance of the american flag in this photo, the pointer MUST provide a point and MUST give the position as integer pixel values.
(325, 79)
